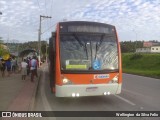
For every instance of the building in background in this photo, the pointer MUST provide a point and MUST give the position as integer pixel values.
(149, 47)
(147, 44)
(143, 50)
(4, 46)
(150, 44)
(153, 49)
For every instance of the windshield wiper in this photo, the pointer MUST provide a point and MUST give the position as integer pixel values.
(100, 43)
(81, 44)
(75, 36)
(98, 46)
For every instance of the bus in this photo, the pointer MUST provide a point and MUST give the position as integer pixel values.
(84, 59)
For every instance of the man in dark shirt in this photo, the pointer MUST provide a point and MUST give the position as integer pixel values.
(14, 63)
(3, 67)
(8, 65)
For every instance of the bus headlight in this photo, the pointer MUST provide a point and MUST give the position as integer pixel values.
(73, 95)
(114, 80)
(77, 95)
(65, 80)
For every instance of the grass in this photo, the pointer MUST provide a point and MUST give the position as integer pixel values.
(141, 64)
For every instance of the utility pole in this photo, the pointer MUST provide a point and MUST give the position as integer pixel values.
(39, 38)
(8, 40)
(46, 50)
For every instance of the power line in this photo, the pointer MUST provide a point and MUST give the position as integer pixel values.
(49, 28)
(45, 7)
(38, 4)
(51, 5)
(51, 10)
(47, 22)
(52, 26)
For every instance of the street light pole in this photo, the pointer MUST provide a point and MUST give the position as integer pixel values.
(39, 37)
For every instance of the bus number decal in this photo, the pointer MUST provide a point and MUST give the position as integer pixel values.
(102, 76)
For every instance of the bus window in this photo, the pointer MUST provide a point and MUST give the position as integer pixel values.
(88, 52)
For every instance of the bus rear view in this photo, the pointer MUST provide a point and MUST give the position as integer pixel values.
(87, 60)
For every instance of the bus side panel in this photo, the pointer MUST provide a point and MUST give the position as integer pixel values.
(58, 73)
(52, 61)
(120, 59)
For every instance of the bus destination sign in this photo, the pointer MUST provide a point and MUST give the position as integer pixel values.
(89, 29)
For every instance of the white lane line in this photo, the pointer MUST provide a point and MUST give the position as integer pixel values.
(44, 98)
(127, 101)
(135, 93)
(144, 77)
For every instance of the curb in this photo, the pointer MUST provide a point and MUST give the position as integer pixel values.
(32, 103)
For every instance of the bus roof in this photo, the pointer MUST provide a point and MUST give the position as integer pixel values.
(86, 26)
(85, 22)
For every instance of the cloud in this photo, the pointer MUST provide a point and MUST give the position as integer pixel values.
(22, 16)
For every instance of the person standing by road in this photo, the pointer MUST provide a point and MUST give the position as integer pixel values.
(8, 65)
(0, 64)
(3, 67)
(37, 67)
(24, 69)
(28, 68)
(33, 67)
(14, 63)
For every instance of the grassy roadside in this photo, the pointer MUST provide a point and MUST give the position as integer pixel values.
(141, 64)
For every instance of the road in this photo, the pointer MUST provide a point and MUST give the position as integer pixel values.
(138, 94)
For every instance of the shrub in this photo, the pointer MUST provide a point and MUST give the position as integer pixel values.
(136, 56)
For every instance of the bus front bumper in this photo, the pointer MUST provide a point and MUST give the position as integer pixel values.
(87, 90)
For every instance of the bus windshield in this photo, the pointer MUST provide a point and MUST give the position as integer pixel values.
(88, 52)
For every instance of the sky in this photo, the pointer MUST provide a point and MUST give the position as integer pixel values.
(134, 19)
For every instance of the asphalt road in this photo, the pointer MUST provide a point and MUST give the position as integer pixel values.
(138, 94)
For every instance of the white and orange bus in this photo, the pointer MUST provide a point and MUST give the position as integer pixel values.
(85, 59)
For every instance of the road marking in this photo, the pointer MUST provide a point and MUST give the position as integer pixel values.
(135, 93)
(44, 98)
(156, 79)
(129, 102)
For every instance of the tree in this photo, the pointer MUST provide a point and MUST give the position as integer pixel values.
(43, 49)
(1, 41)
(3, 51)
(130, 46)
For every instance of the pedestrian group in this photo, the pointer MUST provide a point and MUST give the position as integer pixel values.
(27, 66)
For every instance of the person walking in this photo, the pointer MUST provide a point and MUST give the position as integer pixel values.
(33, 68)
(8, 65)
(0, 64)
(28, 67)
(2, 67)
(14, 63)
(24, 69)
(37, 67)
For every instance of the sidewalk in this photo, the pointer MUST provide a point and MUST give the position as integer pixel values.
(9, 89)
(17, 94)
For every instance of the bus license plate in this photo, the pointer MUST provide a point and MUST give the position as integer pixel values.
(91, 89)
